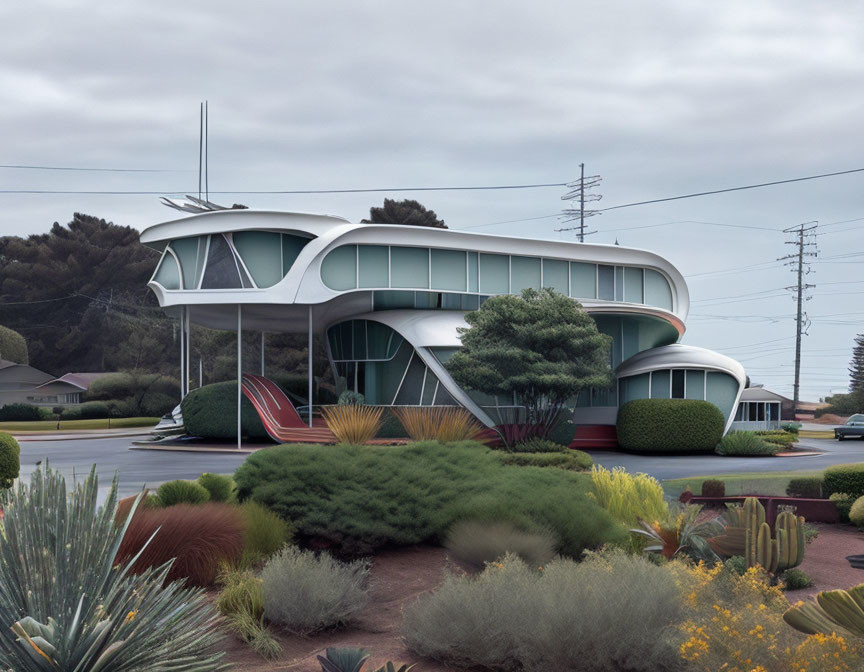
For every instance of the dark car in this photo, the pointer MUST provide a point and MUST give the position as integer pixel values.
(854, 428)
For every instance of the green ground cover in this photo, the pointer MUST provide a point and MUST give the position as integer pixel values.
(53, 425)
(747, 483)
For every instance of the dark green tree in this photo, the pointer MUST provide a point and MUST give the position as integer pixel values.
(540, 346)
(856, 366)
(13, 347)
(404, 212)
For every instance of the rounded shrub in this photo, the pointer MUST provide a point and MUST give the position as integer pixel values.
(538, 445)
(13, 347)
(669, 426)
(182, 492)
(19, 413)
(843, 502)
(10, 460)
(746, 444)
(809, 487)
(712, 487)
(220, 488)
(856, 513)
(796, 579)
(210, 412)
(847, 478)
(89, 410)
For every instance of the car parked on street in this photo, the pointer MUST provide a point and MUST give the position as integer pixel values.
(854, 428)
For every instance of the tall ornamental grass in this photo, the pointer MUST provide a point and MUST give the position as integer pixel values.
(438, 423)
(64, 605)
(628, 497)
(353, 424)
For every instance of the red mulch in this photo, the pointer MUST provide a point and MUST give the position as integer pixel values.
(398, 578)
(825, 560)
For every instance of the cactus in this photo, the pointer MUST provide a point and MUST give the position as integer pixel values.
(832, 610)
(774, 554)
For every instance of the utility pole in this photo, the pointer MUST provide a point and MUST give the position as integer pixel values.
(579, 190)
(803, 237)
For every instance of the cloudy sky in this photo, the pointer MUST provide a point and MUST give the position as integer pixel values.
(661, 99)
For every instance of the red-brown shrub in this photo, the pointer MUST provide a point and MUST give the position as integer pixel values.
(200, 537)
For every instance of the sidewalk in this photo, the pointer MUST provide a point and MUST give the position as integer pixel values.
(68, 434)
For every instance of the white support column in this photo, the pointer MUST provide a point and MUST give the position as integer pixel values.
(310, 365)
(182, 352)
(239, 371)
(188, 349)
(262, 354)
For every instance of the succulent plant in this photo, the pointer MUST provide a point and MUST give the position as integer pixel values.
(343, 660)
(830, 611)
(391, 667)
(774, 553)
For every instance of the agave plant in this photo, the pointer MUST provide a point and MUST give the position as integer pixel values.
(832, 611)
(68, 607)
(681, 533)
(391, 667)
(343, 660)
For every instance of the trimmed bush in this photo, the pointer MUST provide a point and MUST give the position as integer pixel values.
(538, 445)
(564, 431)
(355, 499)
(138, 394)
(265, 533)
(575, 460)
(199, 538)
(89, 410)
(791, 427)
(210, 412)
(712, 487)
(182, 492)
(809, 487)
(848, 478)
(13, 346)
(305, 592)
(476, 543)
(669, 426)
(19, 413)
(783, 439)
(796, 579)
(10, 460)
(219, 487)
(746, 444)
(843, 502)
(856, 513)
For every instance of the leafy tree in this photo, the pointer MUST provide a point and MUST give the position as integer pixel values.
(13, 347)
(856, 366)
(541, 346)
(404, 212)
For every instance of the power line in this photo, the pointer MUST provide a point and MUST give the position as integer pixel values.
(92, 170)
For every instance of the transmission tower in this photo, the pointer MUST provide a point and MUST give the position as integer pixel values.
(804, 238)
(578, 195)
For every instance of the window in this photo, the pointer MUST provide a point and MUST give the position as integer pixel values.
(339, 268)
(525, 273)
(633, 285)
(606, 282)
(168, 273)
(657, 290)
(449, 270)
(678, 384)
(373, 266)
(494, 274)
(660, 381)
(555, 275)
(583, 280)
(409, 267)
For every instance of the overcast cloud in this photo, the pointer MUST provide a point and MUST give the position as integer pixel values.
(659, 98)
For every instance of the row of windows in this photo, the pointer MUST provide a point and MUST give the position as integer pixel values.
(245, 259)
(719, 388)
(396, 267)
(757, 411)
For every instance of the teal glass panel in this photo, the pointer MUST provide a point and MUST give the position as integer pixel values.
(606, 282)
(629, 337)
(473, 286)
(382, 341)
(494, 274)
(633, 281)
(411, 388)
(635, 387)
(261, 253)
(393, 300)
(358, 328)
(168, 273)
(222, 271)
(555, 275)
(619, 283)
(524, 273)
(444, 354)
(291, 246)
(660, 381)
(657, 290)
(611, 326)
(203, 242)
(722, 390)
(583, 280)
(449, 270)
(186, 250)
(604, 397)
(452, 301)
(678, 383)
(443, 397)
(339, 268)
(429, 389)
(409, 267)
(426, 300)
(373, 268)
(695, 385)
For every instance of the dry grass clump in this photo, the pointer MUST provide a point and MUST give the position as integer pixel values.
(476, 543)
(305, 592)
(438, 423)
(353, 424)
(241, 601)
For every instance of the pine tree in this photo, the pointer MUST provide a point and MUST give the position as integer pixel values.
(856, 366)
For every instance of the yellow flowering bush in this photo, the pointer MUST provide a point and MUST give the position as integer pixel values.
(826, 653)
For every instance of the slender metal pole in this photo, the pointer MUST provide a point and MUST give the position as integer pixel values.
(798, 317)
(582, 203)
(239, 371)
(200, 145)
(188, 336)
(310, 365)
(262, 354)
(182, 353)
(200, 372)
(206, 150)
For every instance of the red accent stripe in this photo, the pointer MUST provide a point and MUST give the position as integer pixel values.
(278, 414)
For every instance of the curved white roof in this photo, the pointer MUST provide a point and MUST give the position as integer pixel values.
(679, 356)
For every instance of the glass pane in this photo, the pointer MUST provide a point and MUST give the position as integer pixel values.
(186, 250)
(630, 337)
(657, 290)
(168, 273)
(393, 300)
(358, 328)
(695, 385)
(494, 274)
(291, 246)
(524, 273)
(443, 397)
(722, 390)
(221, 271)
(409, 267)
(262, 254)
(453, 301)
(339, 268)
(429, 389)
(373, 267)
(678, 384)
(619, 283)
(634, 387)
(583, 281)
(472, 272)
(382, 340)
(426, 300)
(659, 384)
(606, 282)
(739, 413)
(449, 270)
(203, 241)
(555, 275)
(412, 385)
(633, 285)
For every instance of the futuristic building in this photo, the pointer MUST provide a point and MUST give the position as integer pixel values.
(388, 300)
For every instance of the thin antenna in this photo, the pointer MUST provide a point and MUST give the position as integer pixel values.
(200, 145)
(206, 150)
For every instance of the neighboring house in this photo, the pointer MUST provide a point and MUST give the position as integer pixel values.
(23, 384)
(388, 302)
(761, 409)
(67, 389)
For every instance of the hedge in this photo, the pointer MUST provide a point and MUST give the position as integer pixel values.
(19, 413)
(10, 460)
(669, 426)
(211, 413)
(809, 487)
(846, 478)
(13, 347)
(136, 394)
